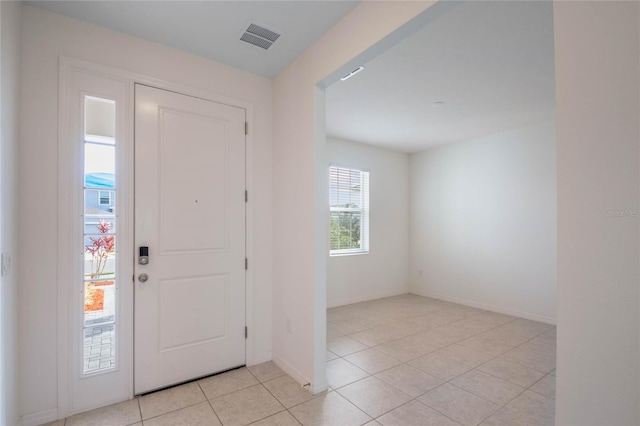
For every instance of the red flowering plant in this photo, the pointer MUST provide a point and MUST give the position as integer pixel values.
(101, 248)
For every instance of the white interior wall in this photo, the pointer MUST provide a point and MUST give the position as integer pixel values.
(597, 48)
(9, 106)
(45, 37)
(597, 81)
(384, 270)
(597, 162)
(300, 184)
(483, 222)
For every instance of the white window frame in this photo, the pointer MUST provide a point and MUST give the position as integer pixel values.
(100, 203)
(364, 213)
(78, 391)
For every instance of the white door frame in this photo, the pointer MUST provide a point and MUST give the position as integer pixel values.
(67, 67)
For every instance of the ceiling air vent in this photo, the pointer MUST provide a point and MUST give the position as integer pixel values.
(259, 36)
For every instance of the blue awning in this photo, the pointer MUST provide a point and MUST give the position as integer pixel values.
(100, 180)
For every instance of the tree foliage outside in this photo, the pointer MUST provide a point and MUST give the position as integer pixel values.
(345, 230)
(101, 248)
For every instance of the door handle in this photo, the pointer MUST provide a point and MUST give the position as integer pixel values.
(143, 278)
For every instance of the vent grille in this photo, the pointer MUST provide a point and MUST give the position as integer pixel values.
(259, 36)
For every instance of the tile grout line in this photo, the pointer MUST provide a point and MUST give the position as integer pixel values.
(208, 402)
(452, 344)
(431, 328)
(410, 318)
(197, 382)
(401, 405)
(453, 378)
(471, 369)
(139, 409)
(419, 396)
(350, 402)
(539, 393)
(275, 397)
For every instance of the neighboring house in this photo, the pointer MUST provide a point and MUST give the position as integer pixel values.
(100, 200)
(100, 194)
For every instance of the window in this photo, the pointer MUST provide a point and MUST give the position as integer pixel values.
(104, 198)
(99, 236)
(349, 211)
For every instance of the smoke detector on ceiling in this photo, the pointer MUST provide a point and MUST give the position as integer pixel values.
(259, 36)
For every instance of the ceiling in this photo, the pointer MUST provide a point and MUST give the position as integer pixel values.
(212, 29)
(490, 63)
(481, 68)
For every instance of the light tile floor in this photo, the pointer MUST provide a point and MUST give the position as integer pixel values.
(405, 360)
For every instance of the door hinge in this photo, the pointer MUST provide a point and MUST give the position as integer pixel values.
(246, 128)
(246, 263)
(246, 196)
(246, 332)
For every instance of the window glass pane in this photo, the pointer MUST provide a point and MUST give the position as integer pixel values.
(99, 302)
(99, 236)
(99, 166)
(349, 211)
(95, 224)
(345, 230)
(99, 119)
(99, 256)
(99, 348)
(345, 188)
(94, 215)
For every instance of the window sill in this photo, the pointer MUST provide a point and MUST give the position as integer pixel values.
(355, 253)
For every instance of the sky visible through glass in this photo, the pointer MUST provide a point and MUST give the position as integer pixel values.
(99, 158)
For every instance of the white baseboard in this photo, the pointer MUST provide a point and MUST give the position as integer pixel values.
(39, 418)
(298, 376)
(260, 359)
(365, 298)
(492, 308)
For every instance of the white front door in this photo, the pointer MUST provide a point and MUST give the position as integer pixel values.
(190, 213)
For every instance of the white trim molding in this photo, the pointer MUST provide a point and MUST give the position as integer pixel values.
(486, 307)
(304, 381)
(67, 67)
(42, 417)
(374, 296)
(78, 392)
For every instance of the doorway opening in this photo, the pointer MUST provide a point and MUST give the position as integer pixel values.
(456, 126)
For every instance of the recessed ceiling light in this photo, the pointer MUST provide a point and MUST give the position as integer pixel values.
(352, 73)
(438, 104)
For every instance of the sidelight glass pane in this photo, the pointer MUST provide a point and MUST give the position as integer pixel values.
(99, 257)
(96, 223)
(99, 302)
(99, 236)
(99, 166)
(99, 348)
